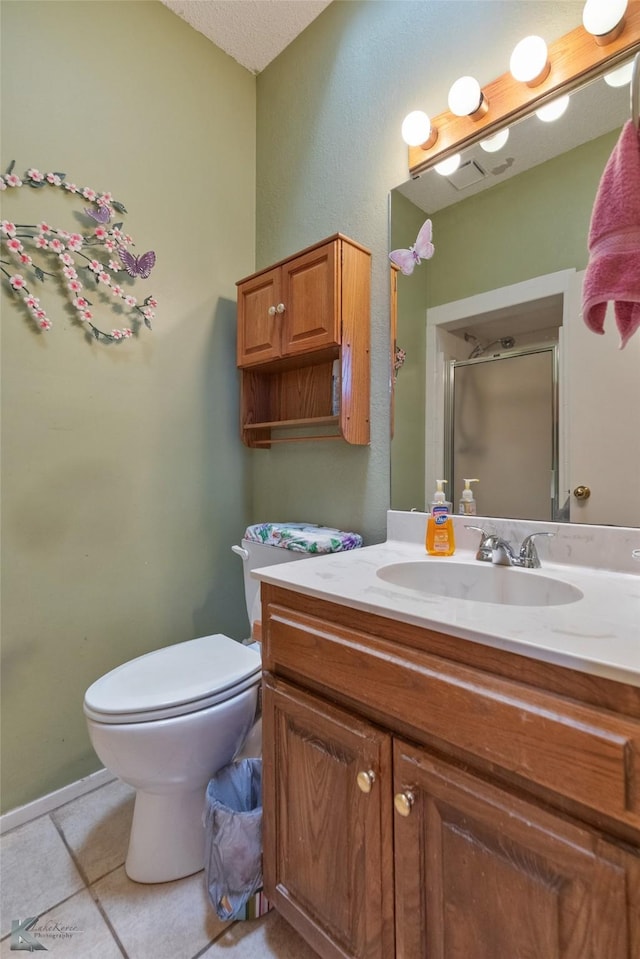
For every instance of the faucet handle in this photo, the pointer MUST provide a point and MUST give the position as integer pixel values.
(487, 544)
(528, 551)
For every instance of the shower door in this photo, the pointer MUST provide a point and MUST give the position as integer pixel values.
(503, 431)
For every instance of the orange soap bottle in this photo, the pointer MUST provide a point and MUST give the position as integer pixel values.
(440, 533)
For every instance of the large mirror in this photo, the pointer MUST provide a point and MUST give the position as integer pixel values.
(510, 232)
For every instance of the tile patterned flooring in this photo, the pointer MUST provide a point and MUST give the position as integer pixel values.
(67, 869)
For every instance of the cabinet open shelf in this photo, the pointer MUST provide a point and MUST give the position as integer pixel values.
(306, 424)
(292, 424)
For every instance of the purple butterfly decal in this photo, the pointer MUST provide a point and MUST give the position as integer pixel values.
(138, 265)
(101, 215)
(421, 250)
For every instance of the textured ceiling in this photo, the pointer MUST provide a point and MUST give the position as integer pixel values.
(253, 32)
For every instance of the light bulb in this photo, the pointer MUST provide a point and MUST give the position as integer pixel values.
(417, 131)
(466, 99)
(554, 110)
(448, 166)
(496, 142)
(529, 61)
(464, 96)
(620, 77)
(604, 19)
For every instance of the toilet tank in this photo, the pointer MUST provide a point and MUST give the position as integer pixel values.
(260, 555)
(268, 544)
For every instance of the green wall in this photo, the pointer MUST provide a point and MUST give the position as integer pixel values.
(124, 482)
(123, 479)
(330, 108)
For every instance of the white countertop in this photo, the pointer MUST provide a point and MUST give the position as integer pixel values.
(599, 634)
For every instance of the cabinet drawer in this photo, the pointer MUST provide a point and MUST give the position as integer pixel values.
(583, 753)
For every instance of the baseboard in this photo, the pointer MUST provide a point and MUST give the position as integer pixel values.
(39, 807)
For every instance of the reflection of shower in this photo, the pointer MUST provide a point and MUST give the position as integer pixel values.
(506, 342)
(502, 427)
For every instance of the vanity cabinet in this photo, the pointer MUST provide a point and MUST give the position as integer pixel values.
(294, 320)
(427, 796)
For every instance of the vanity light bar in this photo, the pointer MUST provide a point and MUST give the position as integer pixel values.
(574, 58)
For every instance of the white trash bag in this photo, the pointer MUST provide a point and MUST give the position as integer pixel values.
(233, 836)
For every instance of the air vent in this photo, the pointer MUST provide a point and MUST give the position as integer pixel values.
(466, 175)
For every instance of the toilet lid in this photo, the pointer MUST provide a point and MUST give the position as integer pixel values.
(175, 680)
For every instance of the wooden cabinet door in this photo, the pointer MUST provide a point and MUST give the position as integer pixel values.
(259, 331)
(482, 874)
(311, 296)
(328, 863)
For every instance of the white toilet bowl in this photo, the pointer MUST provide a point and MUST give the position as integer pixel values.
(165, 723)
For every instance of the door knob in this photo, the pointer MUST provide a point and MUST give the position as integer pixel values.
(403, 802)
(280, 308)
(365, 780)
(271, 311)
(582, 492)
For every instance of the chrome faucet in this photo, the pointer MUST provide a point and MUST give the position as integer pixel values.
(527, 558)
(495, 549)
(487, 544)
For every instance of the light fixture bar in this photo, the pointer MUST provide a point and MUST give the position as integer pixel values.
(574, 59)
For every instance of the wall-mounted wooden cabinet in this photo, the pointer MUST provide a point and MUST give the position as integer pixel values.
(294, 320)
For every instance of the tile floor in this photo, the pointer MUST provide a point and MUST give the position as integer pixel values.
(67, 869)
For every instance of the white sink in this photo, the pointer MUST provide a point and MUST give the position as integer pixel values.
(504, 585)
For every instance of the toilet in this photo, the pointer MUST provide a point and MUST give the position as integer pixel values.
(167, 721)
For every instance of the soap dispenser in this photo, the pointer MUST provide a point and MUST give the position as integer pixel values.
(440, 539)
(467, 503)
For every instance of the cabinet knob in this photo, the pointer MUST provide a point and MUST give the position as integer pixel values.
(366, 780)
(582, 492)
(280, 308)
(403, 802)
(271, 311)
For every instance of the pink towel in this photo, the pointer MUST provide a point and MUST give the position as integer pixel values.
(613, 271)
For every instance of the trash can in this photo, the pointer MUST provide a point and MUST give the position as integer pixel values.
(233, 837)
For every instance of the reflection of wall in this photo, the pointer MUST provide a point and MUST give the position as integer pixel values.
(407, 449)
(533, 224)
(123, 473)
(530, 225)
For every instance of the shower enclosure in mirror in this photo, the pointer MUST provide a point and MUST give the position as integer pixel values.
(501, 416)
(508, 264)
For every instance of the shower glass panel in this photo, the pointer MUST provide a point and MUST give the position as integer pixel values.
(503, 430)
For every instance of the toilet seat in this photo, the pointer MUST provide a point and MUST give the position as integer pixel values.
(174, 681)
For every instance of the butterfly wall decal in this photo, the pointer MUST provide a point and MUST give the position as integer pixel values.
(101, 215)
(421, 250)
(138, 265)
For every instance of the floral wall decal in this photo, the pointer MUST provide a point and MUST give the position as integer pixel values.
(97, 254)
